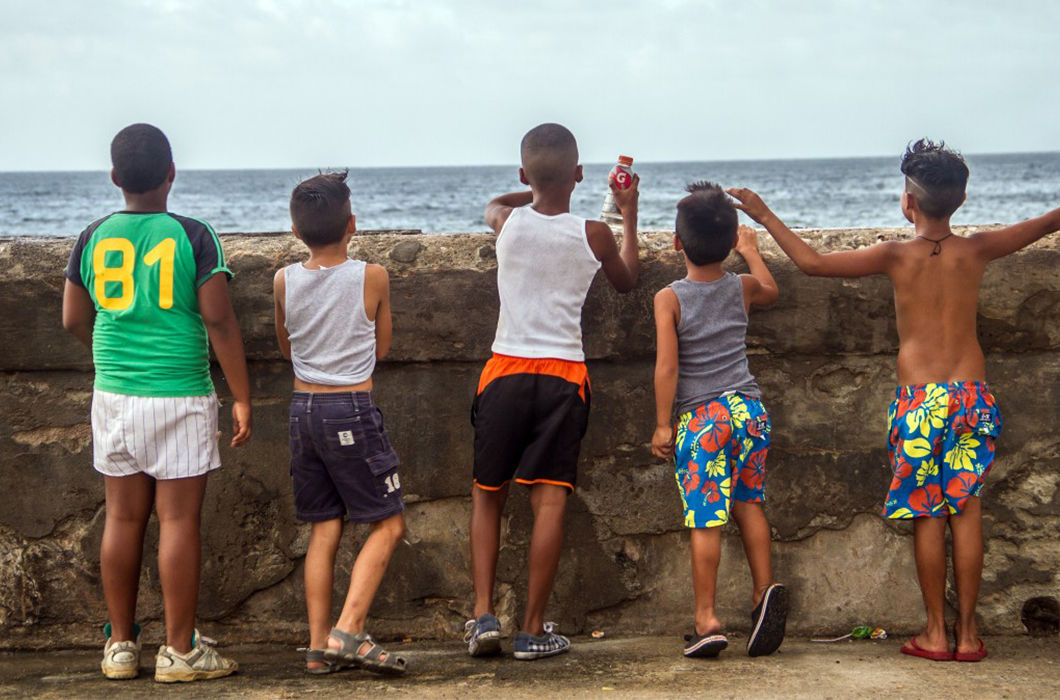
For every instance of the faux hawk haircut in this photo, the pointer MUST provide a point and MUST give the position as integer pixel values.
(141, 158)
(320, 208)
(706, 223)
(936, 176)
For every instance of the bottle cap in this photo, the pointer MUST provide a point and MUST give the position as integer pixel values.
(625, 160)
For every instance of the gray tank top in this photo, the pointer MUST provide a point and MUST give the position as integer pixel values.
(711, 342)
(332, 340)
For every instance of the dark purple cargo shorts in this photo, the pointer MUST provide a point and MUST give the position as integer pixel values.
(342, 462)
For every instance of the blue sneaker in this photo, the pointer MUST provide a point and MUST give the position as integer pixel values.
(483, 636)
(528, 647)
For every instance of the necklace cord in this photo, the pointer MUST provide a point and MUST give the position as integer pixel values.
(938, 243)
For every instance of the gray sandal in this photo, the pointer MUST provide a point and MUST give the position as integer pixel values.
(349, 653)
(317, 656)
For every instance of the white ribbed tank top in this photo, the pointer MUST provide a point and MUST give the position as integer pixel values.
(332, 340)
(544, 269)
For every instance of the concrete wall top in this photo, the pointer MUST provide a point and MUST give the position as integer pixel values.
(445, 304)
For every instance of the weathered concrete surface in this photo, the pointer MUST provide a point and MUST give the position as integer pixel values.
(639, 667)
(824, 356)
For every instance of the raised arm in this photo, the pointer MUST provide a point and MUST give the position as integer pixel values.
(667, 316)
(759, 287)
(621, 265)
(874, 260)
(279, 296)
(1003, 241)
(227, 342)
(499, 208)
(79, 312)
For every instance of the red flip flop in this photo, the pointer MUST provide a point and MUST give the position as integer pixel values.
(914, 649)
(977, 655)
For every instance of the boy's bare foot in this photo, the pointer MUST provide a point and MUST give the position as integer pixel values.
(319, 666)
(706, 640)
(929, 645)
(707, 625)
(929, 642)
(968, 646)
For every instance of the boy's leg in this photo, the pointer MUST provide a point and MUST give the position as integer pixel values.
(929, 542)
(487, 506)
(549, 503)
(179, 507)
(706, 554)
(319, 580)
(967, 529)
(751, 433)
(757, 543)
(367, 574)
(129, 501)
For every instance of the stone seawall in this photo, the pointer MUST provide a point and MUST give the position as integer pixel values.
(824, 356)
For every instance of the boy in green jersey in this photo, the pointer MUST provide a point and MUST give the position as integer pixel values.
(144, 290)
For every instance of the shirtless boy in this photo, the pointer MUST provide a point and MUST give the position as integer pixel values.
(944, 421)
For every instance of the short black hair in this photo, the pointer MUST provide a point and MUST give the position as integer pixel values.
(706, 223)
(936, 176)
(141, 158)
(320, 208)
(549, 155)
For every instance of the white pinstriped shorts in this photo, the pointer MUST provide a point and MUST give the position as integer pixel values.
(162, 437)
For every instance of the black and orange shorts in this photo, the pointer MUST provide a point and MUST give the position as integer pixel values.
(530, 416)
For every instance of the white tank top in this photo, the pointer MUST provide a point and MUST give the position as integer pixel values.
(544, 269)
(332, 340)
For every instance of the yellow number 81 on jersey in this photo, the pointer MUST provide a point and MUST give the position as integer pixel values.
(162, 255)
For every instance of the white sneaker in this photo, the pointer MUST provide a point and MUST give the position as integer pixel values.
(121, 660)
(201, 663)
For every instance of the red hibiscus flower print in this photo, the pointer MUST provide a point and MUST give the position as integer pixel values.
(902, 467)
(961, 486)
(717, 430)
(699, 419)
(925, 500)
(911, 399)
(692, 478)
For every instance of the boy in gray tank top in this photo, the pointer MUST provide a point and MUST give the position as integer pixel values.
(333, 323)
(721, 438)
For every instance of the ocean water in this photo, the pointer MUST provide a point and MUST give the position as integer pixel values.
(823, 193)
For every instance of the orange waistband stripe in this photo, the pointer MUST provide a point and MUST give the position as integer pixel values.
(504, 365)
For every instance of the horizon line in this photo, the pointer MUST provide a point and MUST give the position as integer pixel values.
(513, 164)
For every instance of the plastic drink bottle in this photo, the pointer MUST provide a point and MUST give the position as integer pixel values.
(622, 176)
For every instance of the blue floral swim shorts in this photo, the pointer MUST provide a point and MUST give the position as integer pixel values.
(720, 456)
(941, 442)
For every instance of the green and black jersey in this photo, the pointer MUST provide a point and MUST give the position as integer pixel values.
(143, 272)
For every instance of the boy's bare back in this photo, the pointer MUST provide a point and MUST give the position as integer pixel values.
(935, 303)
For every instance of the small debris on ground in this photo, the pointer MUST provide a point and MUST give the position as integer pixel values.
(859, 632)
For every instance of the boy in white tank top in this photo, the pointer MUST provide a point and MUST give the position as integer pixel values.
(532, 404)
(333, 323)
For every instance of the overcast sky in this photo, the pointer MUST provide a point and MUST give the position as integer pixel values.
(273, 83)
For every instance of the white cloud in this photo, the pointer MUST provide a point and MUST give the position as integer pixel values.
(256, 83)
